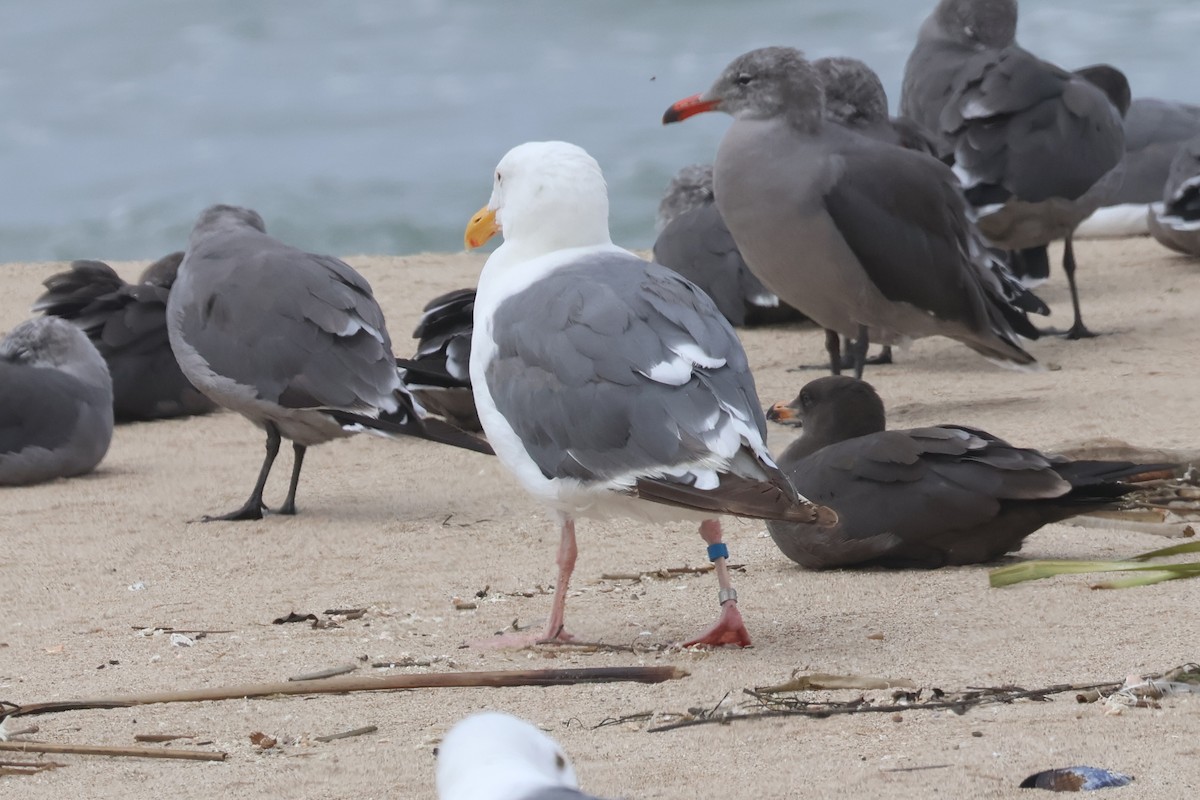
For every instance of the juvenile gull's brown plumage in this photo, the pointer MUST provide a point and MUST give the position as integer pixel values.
(860, 236)
(923, 497)
(1037, 148)
(128, 324)
(56, 408)
(293, 341)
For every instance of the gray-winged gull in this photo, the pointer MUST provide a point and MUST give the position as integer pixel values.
(604, 381)
(495, 756)
(56, 416)
(694, 241)
(1155, 131)
(438, 374)
(1175, 222)
(855, 97)
(293, 341)
(128, 324)
(924, 497)
(861, 236)
(1037, 148)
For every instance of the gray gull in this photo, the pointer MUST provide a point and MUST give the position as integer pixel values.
(867, 239)
(292, 341)
(56, 410)
(128, 324)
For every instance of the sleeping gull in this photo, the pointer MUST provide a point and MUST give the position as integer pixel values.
(695, 242)
(1155, 131)
(1037, 148)
(1175, 222)
(128, 324)
(438, 374)
(855, 98)
(867, 239)
(924, 497)
(495, 756)
(293, 341)
(604, 381)
(56, 413)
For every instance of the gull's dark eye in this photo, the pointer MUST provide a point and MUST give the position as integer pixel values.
(806, 400)
(743, 79)
(499, 179)
(560, 762)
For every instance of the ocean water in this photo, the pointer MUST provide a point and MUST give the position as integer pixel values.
(372, 126)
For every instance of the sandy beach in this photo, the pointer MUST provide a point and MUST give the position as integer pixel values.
(401, 529)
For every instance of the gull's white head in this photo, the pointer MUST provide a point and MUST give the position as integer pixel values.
(494, 756)
(547, 196)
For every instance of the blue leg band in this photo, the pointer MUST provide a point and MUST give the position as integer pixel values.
(718, 550)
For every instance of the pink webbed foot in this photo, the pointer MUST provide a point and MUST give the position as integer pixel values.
(729, 629)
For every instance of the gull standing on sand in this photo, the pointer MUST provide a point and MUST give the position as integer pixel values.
(604, 381)
(495, 756)
(128, 324)
(867, 239)
(56, 403)
(1037, 148)
(292, 341)
(924, 497)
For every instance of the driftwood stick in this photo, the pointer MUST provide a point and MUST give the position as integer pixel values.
(433, 680)
(958, 705)
(159, 738)
(347, 734)
(104, 750)
(331, 672)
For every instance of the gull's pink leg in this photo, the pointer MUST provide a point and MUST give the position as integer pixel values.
(729, 628)
(567, 551)
(555, 632)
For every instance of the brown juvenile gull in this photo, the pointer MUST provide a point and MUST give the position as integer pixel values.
(1175, 222)
(438, 374)
(923, 497)
(495, 756)
(1037, 148)
(608, 385)
(128, 324)
(56, 410)
(292, 341)
(865, 238)
(695, 242)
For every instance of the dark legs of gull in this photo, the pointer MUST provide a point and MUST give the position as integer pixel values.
(289, 505)
(253, 507)
(837, 363)
(729, 628)
(1078, 329)
(858, 351)
(833, 346)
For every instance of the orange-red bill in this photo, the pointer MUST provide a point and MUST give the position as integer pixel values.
(781, 412)
(688, 107)
(481, 228)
